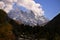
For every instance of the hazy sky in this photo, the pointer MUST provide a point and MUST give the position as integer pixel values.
(51, 7)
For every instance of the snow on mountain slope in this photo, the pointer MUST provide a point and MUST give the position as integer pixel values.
(27, 17)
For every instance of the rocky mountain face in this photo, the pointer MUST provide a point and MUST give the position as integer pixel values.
(27, 18)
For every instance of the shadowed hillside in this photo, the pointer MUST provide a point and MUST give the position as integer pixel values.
(13, 30)
(5, 27)
(53, 27)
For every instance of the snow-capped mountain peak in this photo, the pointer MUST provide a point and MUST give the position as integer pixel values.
(27, 17)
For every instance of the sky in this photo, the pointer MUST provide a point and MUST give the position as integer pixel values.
(51, 7)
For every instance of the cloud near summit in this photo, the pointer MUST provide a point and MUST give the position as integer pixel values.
(29, 4)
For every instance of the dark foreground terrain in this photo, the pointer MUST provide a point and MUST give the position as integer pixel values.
(13, 30)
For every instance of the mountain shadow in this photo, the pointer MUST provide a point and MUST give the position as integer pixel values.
(12, 30)
(53, 27)
(5, 27)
